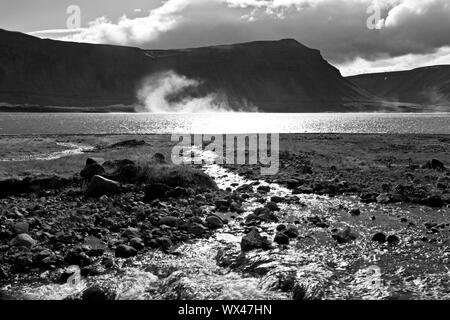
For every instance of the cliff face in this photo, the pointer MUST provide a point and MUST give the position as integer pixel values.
(275, 76)
(429, 86)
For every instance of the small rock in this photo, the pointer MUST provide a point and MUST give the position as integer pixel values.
(379, 237)
(131, 233)
(169, 221)
(164, 242)
(272, 206)
(345, 236)
(137, 243)
(23, 240)
(263, 189)
(291, 231)
(276, 199)
(393, 239)
(196, 228)
(124, 251)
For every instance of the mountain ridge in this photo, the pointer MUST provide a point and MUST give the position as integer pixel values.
(275, 76)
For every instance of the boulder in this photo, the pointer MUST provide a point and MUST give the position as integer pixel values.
(253, 240)
(169, 221)
(434, 164)
(281, 238)
(100, 186)
(355, 212)
(94, 246)
(23, 240)
(214, 222)
(91, 169)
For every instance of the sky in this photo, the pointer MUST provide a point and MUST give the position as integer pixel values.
(356, 36)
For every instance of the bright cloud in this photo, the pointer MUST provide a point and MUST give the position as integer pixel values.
(409, 29)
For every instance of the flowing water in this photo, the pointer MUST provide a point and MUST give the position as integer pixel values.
(196, 270)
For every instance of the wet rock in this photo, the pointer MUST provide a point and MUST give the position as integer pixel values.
(303, 190)
(96, 293)
(253, 240)
(291, 231)
(281, 238)
(393, 239)
(169, 221)
(434, 164)
(91, 169)
(21, 227)
(222, 204)
(272, 206)
(293, 183)
(263, 189)
(23, 261)
(214, 222)
(23, 240)
(155, 191)
(345, 236)
(196, 229)
(355, 212)
(379, 237)
(125, 251)
(99, 186)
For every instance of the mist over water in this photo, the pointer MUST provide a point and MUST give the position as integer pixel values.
(165, 93)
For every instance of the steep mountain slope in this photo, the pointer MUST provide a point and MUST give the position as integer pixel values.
(275, 76)
(429, 86)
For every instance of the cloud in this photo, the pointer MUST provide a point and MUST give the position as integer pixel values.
(337, 27)
(388, 64)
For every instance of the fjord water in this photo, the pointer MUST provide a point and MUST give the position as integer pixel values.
(147, 123)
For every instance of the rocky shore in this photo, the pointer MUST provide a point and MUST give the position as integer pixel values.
(310, 232)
